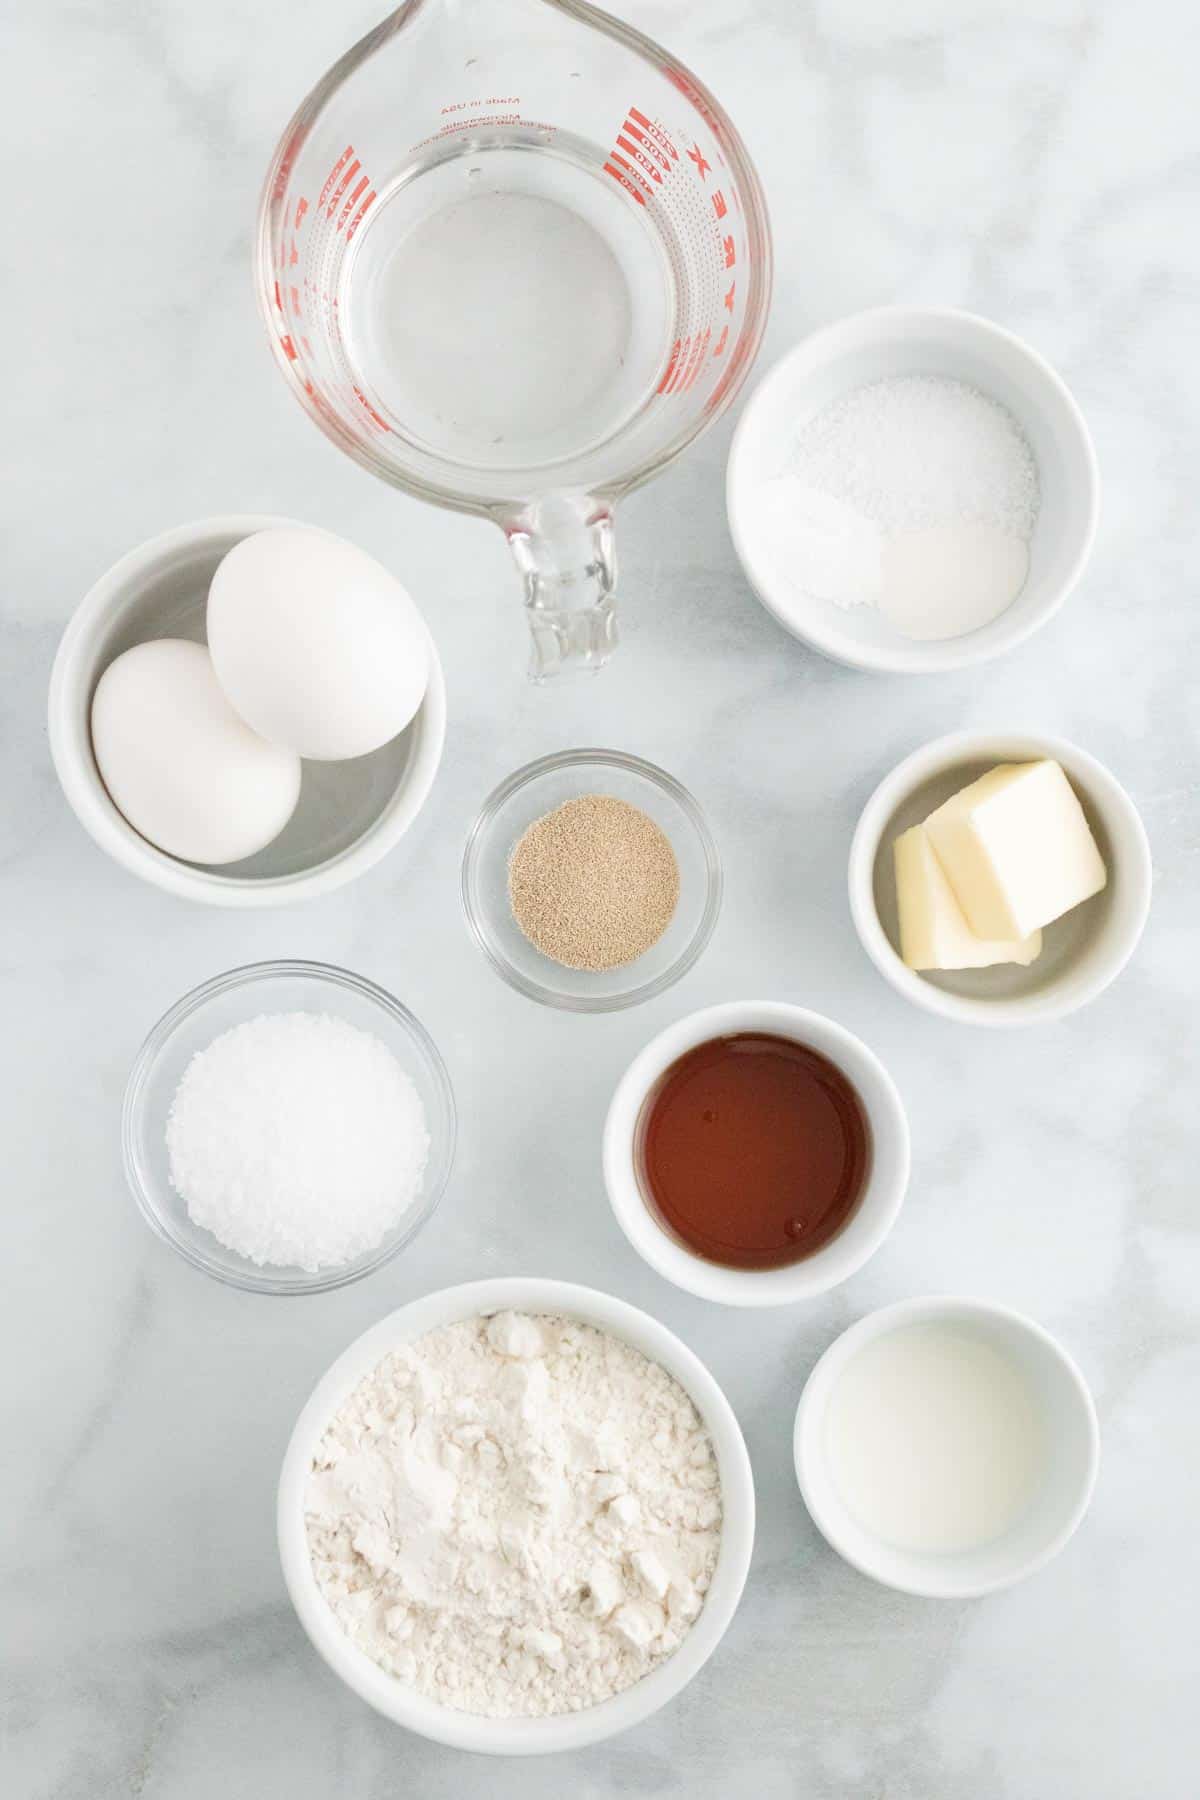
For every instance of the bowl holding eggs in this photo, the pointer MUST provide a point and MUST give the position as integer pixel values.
(247, 711)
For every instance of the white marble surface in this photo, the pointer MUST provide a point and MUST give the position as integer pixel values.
(1033, 159)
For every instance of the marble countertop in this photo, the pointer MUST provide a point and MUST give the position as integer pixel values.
(1036, 160)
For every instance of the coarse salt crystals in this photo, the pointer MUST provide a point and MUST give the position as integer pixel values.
(297, 1140)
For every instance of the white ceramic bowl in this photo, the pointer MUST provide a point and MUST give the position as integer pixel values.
(865, 1230)
(568, 1731)
(1071, 1437)
(1081, 953)
(873, 346)
(350, 814)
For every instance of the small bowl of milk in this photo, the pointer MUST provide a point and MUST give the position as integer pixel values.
(946, 1447)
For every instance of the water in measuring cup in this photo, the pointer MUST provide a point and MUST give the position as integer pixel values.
(507, 308)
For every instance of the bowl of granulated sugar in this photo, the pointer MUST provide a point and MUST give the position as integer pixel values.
(912, 490)
(591, 880)
(288, 1127)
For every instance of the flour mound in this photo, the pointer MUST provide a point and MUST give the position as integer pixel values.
(516, 1516)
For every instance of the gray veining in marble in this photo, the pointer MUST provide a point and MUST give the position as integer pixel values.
(1037, 160)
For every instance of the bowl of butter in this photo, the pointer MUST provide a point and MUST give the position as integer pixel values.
(1000, 878)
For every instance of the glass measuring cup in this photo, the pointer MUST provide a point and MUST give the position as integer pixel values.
(514, 258)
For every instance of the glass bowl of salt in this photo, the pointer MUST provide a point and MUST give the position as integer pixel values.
(288, 1127)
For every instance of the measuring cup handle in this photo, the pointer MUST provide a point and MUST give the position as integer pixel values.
(565, 552)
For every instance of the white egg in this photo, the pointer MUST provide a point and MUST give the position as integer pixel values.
(180, 764)
(318, 647)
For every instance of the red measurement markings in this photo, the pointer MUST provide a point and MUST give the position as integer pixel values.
(671, 370)
(349, 202)
(675, 385)
(357, 220)
(643, 161)
(655, 131)
(633, 173)
(730, 373)
(341, 187)
(374, 417)
(684, 363)
(353, 204)
(352, 199)
(286, 163)
(338, 193)
(335, 175)
(692, 368)
(649, 156)
(626, 182)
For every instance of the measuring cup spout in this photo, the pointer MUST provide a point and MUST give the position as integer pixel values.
(564, 549)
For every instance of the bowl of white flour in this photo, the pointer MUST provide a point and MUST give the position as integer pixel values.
(516, 1516)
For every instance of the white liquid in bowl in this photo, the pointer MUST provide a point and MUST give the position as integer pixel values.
(934, 1439)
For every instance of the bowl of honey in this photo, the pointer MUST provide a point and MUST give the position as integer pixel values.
(756, 1153)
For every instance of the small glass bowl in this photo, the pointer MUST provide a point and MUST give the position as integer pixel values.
(216, 1006)
(538, 789)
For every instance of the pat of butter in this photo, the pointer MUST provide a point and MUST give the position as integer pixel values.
(1016, 849)
(934, 933)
